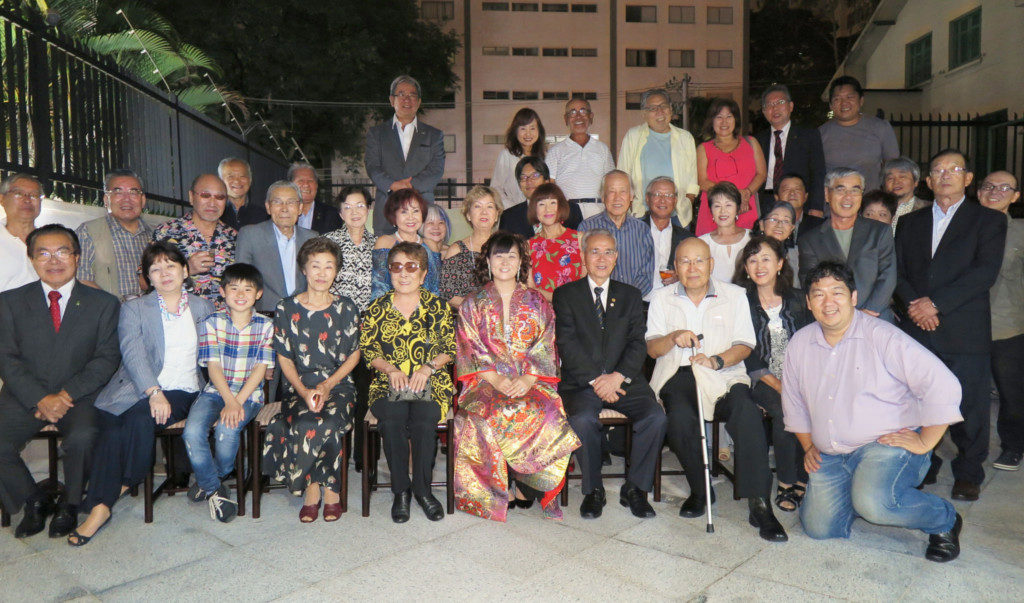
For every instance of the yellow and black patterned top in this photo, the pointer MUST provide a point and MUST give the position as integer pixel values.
(409, 344)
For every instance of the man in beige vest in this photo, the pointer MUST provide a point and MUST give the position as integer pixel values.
(112, 245)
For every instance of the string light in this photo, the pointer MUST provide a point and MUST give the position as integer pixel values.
(131, 31)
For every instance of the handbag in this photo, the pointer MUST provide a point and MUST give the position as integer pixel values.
(407, 395)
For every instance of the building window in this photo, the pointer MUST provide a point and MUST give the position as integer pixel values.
(556, 96)
(524, 52)
(681, 58)
(447, 101)
(919, 61)
(494, 139)
(525, 7)
(555, 8)
(636, 13)
(584, 8)
(449, 143)
(965, 38)
(585, 95)
(495, 94)
(500, 51)
(636, 57)
(682, 14)
(495, 5)
(719, 15)
(438, 10)
(633, 101)
(556, 52)
(584, 52)
(523, 95)
(719, 59)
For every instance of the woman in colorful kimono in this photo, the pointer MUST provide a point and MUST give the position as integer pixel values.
(509, 410)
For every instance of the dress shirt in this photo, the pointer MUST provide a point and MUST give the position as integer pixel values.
(875, 381)
(694, 314)
(604, 292)
(770, 182)
(16, 269)
(128, 247)
(405, 133)
(636, 249)
(662, 239)
(577, 169)
(286, 251)
(940, 222)
(181, 349)
(65, 295)
(306, 219)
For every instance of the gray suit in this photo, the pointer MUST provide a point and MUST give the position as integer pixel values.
(140, 329)
(385, 164)
(257, 245)
(872, 259)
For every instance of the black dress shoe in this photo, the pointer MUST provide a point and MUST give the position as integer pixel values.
(606, 458)
(693, 506)
(636, 499)
(762, 518)
(64, 521)
(945, 546)
(933, 472)
(431, 507)
(592, 504)
(34, 520)
(400, 508)
(965, 490)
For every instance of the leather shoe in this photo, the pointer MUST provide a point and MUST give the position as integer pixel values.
(431, 506)
(945, 546)
(762, 518)
(64, 521)
(592, 504)
(933, 472)
(694, 505)
(34, 520)
(636, 499)
(400, 508)
(965, 490)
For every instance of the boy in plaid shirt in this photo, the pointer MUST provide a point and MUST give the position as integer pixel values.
(235, 346)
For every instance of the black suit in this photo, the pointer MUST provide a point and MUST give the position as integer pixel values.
(514, 220)
(250, 213)
(678, 234)
(588, 351)
(803, 156)
(325, 218)
(957, 280)
(36, 361)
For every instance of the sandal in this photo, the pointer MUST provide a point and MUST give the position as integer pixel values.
(791, 496)
(309, 513)
(84, 540)
(332, 512)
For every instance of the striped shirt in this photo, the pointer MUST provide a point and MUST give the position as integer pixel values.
(635, 264)
(128, 248)
(578, 170)
(237, 350)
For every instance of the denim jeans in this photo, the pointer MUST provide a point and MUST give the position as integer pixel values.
(875, 482)
(209, 465)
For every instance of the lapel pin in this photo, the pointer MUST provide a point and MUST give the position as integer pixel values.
(611, 304)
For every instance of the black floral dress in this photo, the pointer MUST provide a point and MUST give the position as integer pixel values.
(458, 274)
(302, 446)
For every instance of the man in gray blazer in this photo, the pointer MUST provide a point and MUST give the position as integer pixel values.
(58, 347)
(866, 246)
(273, 246)
(403, 152)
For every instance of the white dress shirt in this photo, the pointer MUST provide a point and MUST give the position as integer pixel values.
(578, 170)
(769, 184)
(604, 292)
(405, 133)
(15, 269)
(181, 349)
(940, 222)
(662, 251)
(65, 295)
(286, 251)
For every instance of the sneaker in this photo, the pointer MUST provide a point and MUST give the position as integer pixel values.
(196, 494)
(222, 508)
(1008, 461)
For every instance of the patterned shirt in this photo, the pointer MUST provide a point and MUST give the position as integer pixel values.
(635, 265)
(183, 233)
(237, 350)
(128, 248)
(353, 280)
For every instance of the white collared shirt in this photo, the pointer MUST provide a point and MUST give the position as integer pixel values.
(286, 251)
(662, 251)
(940, 222)
(604, 291)
(579, 169)
(15, 269)
(405, 133)
(65, 295)
(769, 184)
(306, 219)
(181, 349)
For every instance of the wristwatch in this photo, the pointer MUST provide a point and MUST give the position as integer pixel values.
(156, 391)
(433, 369)
(718, 360)
(627, 381)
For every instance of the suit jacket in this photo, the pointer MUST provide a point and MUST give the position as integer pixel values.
(803, 155)
(141, 333)
(325, 218)
(250, 213)
(36, 361)
(257, 245)
(514, 220)
(586, 350)
(385, 164)
(678, 234)
(872, 259)
(807, 224)
(957, 279)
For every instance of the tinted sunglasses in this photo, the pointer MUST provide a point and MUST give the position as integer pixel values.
(396, 267)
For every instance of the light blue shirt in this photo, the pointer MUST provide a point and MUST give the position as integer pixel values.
(306, 220)
(940, 222)
(656, 156)
(286, 250)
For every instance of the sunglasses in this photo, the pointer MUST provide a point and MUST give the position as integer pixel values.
(206, 195)
(410, 267)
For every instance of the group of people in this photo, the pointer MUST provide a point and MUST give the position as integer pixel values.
(580, 287)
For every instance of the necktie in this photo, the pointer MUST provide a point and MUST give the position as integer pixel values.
(55, 309)
(598, 306)
(777, 170)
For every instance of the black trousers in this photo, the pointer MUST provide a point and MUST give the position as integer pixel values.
(401, 423)
(971, 435)
(1008, 372)
(362, 376)
(789, 457)
(743, 421)
(583, 407)
(17, 426)
(123, 453)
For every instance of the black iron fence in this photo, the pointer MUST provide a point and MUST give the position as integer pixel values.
(70, 115)
(448, 193)
(994, 141)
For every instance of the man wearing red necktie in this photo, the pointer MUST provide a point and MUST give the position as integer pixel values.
(791, 149)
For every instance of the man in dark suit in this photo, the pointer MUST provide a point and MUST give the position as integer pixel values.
(531, 172)
(661, 202)
(948, 257)
(865, 245)
(319, 217)
(791, 149)
(600, 335)
(403, 152)
(792, 188)
(58, 348)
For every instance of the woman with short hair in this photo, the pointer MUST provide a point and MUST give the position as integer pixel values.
(555, 257)
(406, 210)
(481, 209)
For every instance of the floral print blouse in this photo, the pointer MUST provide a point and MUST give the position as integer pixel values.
(556, 261)
(353, 280)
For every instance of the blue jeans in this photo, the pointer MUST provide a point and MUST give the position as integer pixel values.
(209, 466)
(875, 482)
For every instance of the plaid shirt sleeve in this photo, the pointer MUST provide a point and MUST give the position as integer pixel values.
(209, 345)
(85, 271)
(265, 355)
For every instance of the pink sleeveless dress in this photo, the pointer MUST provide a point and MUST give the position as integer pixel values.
(737, 167)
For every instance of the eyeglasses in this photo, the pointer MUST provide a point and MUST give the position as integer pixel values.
(856, 191)
(687, 262)
(956, 170)
(657, 108)
(288, 203)
(207, 195)
(776, 103)
(988, 187)
(358, 206)
(20, 195)
(608, 253)
(664, 195)
(61, 254)
(134, 193)
(533, 176)
(779, 221)
(577, 112)
(410, 267)
(406, 95)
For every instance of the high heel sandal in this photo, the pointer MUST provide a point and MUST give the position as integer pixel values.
(84, 540)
